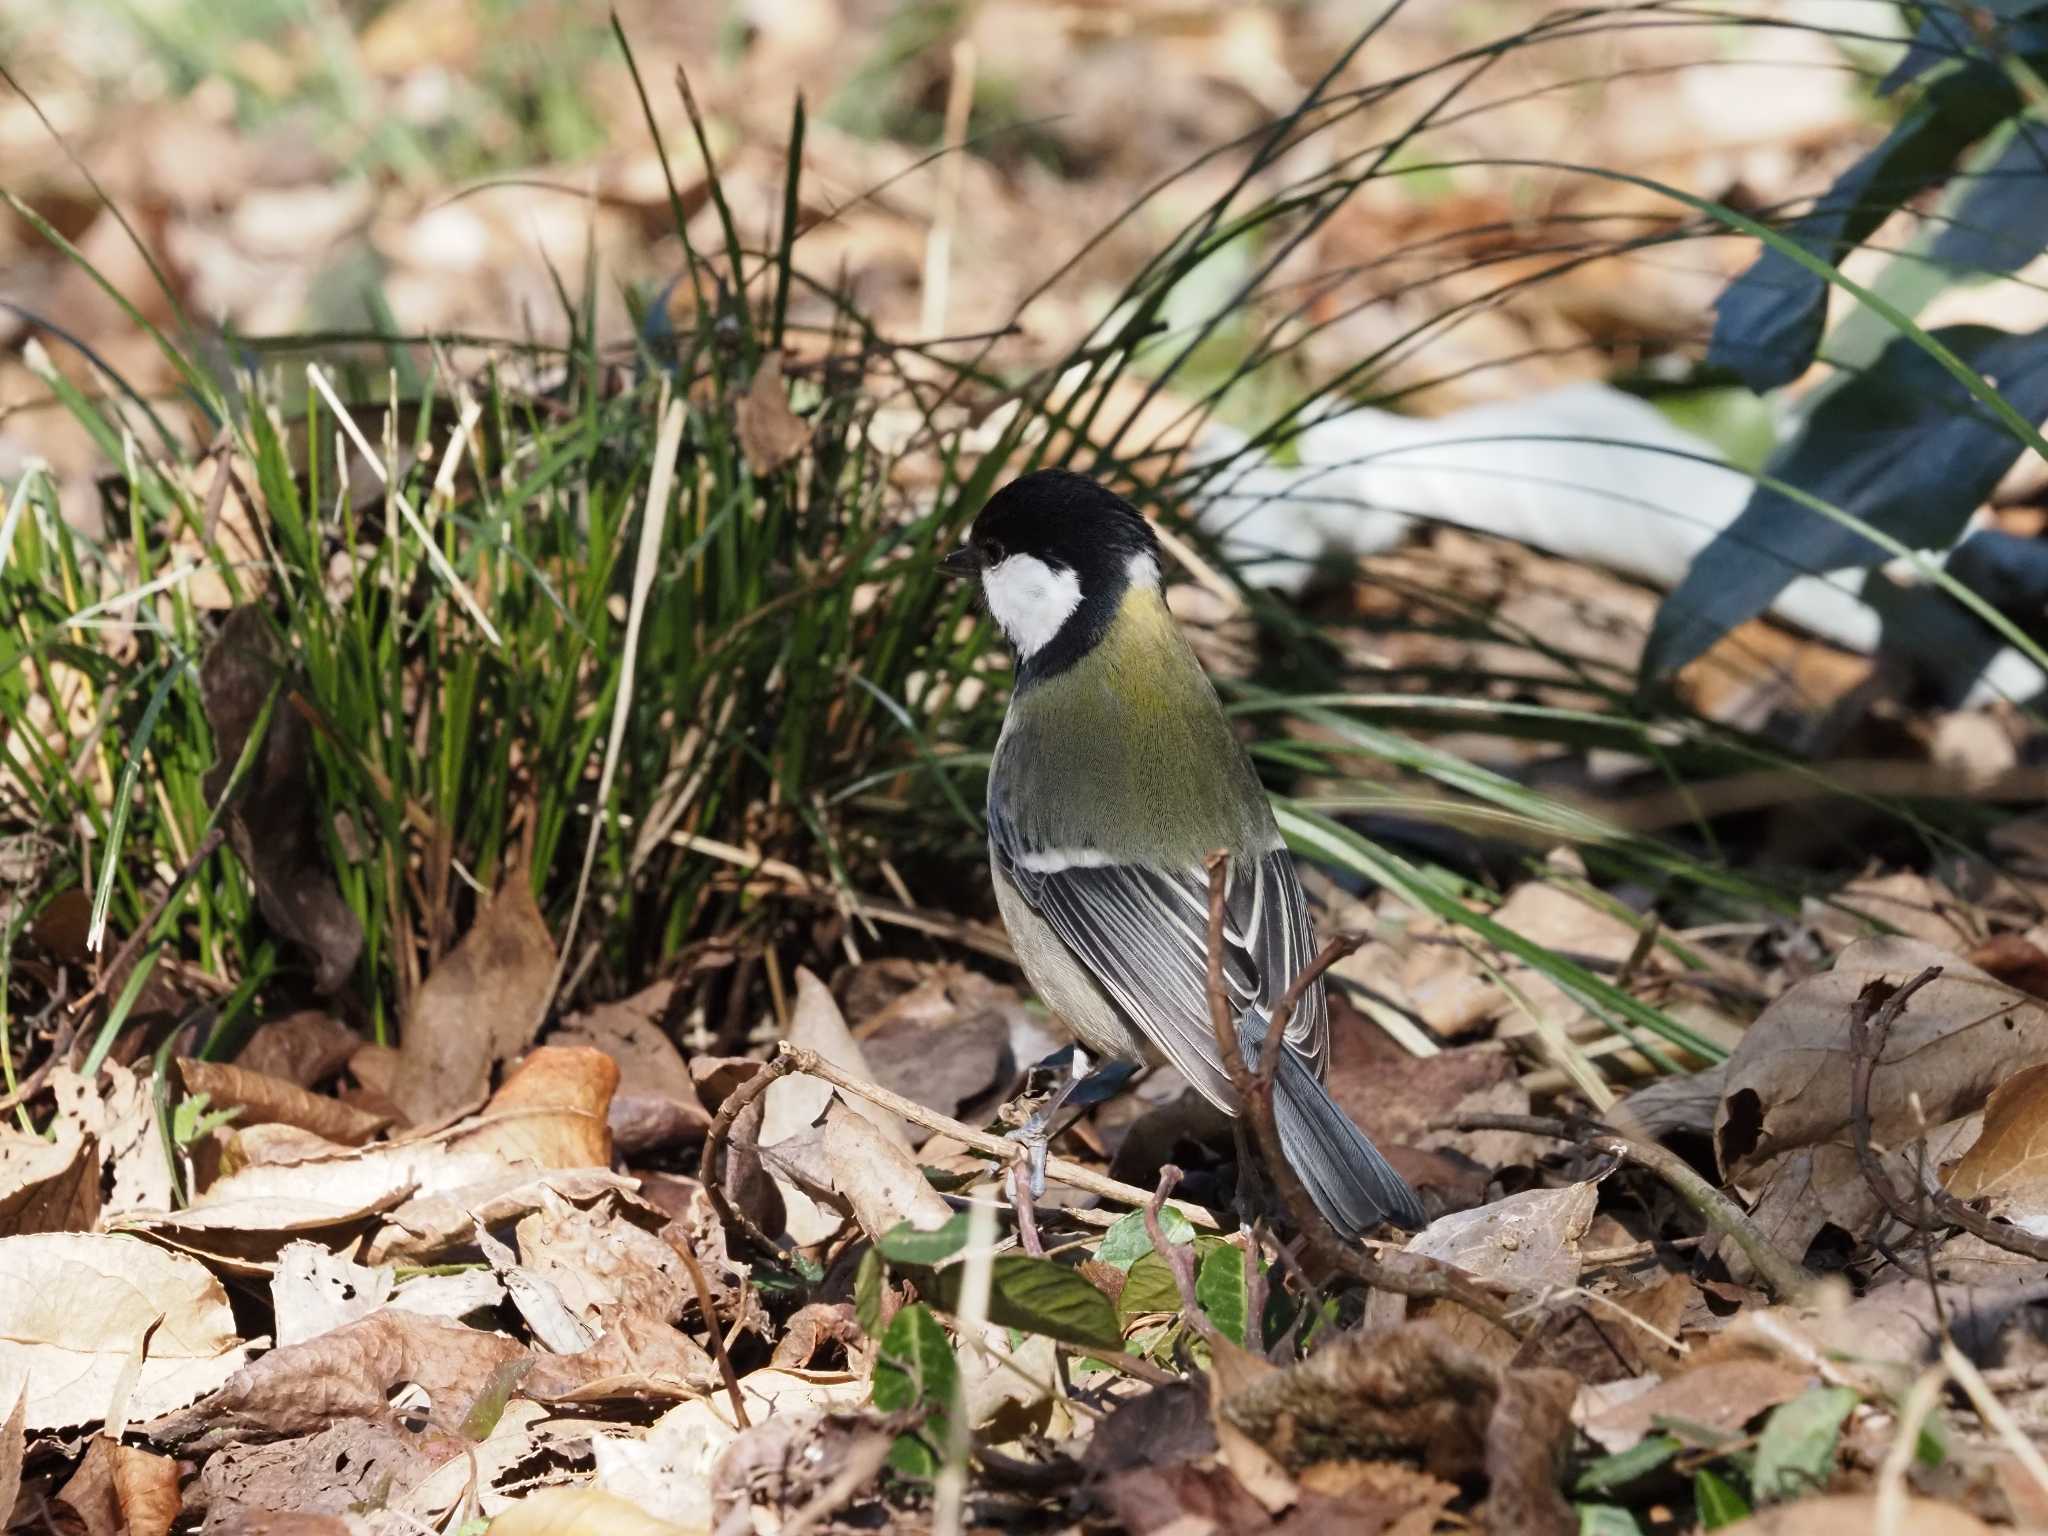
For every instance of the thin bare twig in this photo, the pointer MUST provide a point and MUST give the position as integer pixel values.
(1876, 1009)
(1788, 1280)
(1179, 1257)
(1405, 1274)
(679, 1240)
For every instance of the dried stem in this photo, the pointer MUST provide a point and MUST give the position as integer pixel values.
(1877, 1008)
(1179, 1257)
(1787, 1280)
(679, 1240)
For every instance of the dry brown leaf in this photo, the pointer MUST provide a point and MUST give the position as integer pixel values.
(600, 1261)
(1529, 1240)
(1919, 908)
(550, 1113)
(1788, 1081)
(2008, 1164)
(1856, 1514)
(271, 823)
(354, 1463)
(639, 1357)
(76, 1308)
(349, 1372)
(478, 1009)
(1722, 1394)
(429, 1225)
(120, 1490)
(1234, 1372)
(49, 1186)
(1528, 1440)
(306, 1047)
(771, 434)
(266, 1100)
(657, 1104)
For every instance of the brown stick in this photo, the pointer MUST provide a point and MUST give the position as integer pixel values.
(1407, 1274)
(1179, 1257)
(679, 1240)
(1876, 1009)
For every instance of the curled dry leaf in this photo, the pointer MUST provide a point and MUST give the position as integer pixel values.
(1528, 1440)
(1721, 1394)
(120, 1490)
(355, 1463)
(1857, 1514)
(550, 1113)
(266, 1100)
(2008, 1164)
(115, 1109)
(306, 1047)
(273, 823)
(49, 1186)
(878, 1178)
(479, 1008)
(1529, 1241)
(599, 1260)
(77, 1308)
(657, 1104)
(1788, 1081)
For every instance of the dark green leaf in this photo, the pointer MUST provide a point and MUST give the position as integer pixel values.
(1037, 1296)
(1768, 322)
(867, 1293)
(1128, 1241)
(1795, 1455)
(1220, 1288)
(1624, 1467)
(905, 1244)
(1717, 1501)
(915, 1368)
(1903, 447)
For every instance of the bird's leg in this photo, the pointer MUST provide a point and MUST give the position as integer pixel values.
(1248, 1193)
(1036, 1132)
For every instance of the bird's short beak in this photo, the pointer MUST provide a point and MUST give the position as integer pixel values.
(964, 561)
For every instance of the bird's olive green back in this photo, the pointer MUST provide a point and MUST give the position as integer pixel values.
(1128, 751)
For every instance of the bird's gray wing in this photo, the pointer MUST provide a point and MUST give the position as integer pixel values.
(1142, 931)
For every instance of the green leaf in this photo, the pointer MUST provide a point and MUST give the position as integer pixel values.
(905, 1244)
(1220, 1288)
(1128, 1241)
(1795, 1455)
(915, 1368)
(867, 1293)
(1717, 1501)
(1149, 1289)
(1038, 1296)
(1607, 1520)
(1624, 1467)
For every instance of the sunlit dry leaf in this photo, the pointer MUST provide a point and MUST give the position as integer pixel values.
(479, 1008)
(638, 1357)
(1788, 1081)
(431, 1224)
(878, 1178)
(540, 1305)
(273, 824)
(1529, 1241)
(49, 1186)
(656, 1105)
(771, 434)
(13, 1444)
(120, 1490)
(583, 1511)
(76, 1307)
(117, 1111)
(242, 1232)
(314, 1290)
(2008, 1165)
(499, 1467)
(550, 1113)
(265, 1100)
(599, 1260)
(1856, 1514)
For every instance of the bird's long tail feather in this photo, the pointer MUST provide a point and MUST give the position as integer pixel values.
(1352, 1185)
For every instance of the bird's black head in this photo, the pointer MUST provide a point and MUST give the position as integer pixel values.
(1056, 553)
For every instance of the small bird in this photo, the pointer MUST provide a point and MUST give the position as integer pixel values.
(1115, 777)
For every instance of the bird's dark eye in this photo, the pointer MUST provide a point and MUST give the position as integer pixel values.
(991, 552)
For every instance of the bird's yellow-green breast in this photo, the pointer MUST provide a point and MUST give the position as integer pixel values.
(1128, 750)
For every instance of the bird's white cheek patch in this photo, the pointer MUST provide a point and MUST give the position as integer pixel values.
(1030, 599)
